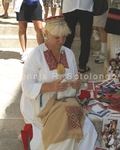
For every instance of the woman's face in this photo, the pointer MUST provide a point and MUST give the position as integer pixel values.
(54, 41)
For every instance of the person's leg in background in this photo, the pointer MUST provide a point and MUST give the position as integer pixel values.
(60, 11)
(5, 7)
(96, 37)
(100, 22)
(46, 8)
(49, 4)
(103, 36)
(22, 34)
(23, 39)
(36, 18)
(95, 34)
(72, 21)
(86, 23)
(54, 5)
(22, 28)
(53, 11)
(103, 51)
(38, 29)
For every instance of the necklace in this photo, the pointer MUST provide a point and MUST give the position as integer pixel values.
(60, 69)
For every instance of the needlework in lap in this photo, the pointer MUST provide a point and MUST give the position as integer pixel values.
(52, 62)
(74, 114)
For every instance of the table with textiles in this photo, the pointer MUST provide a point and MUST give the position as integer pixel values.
(108, 99)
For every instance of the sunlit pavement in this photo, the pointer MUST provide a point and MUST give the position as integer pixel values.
(11, 120)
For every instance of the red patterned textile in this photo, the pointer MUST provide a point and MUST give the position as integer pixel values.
(61, 120)
(74, 114)
(52, 62)
(114, 107)
(114, 16)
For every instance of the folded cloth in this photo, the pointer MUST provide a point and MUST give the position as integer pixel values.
(70, 92)
(61, 121)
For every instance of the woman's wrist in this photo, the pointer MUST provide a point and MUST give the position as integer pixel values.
(46, 87)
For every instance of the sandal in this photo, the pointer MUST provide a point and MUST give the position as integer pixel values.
(83, 70)
(2, 16)
(5, 16)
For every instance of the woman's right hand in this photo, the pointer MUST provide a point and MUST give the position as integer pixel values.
(59, 86)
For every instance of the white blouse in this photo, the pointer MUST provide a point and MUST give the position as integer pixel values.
(71, 5)
(36, 72)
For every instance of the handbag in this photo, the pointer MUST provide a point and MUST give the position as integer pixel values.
(113, 21)
(99, 7)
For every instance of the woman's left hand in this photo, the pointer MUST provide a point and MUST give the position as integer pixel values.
(76, 84)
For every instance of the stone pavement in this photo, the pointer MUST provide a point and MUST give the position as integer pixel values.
(11, 119)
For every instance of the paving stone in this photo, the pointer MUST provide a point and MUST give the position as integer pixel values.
(11, 127)
(10, 144)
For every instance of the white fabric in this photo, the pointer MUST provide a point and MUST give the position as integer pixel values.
(70, 5)
(17, 5)
(97, 108)
(35, 73)
(70, 92)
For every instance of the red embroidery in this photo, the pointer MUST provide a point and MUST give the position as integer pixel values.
(52, 62)
(54, 17)
(113, 16)
(74, 114)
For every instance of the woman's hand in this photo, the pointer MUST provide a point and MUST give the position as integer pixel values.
(59, 86)
(76, 84)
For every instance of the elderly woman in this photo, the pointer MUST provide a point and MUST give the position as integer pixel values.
(50, 84)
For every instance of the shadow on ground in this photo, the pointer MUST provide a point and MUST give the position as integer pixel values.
(9, 55)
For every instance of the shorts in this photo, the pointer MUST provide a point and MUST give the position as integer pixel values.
(100, 21)
(29, 12)
(52, 3)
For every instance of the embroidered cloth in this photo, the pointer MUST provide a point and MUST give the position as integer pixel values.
(61, 121)
(52, 62)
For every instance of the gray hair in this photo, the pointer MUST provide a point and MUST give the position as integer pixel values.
(57, 28)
